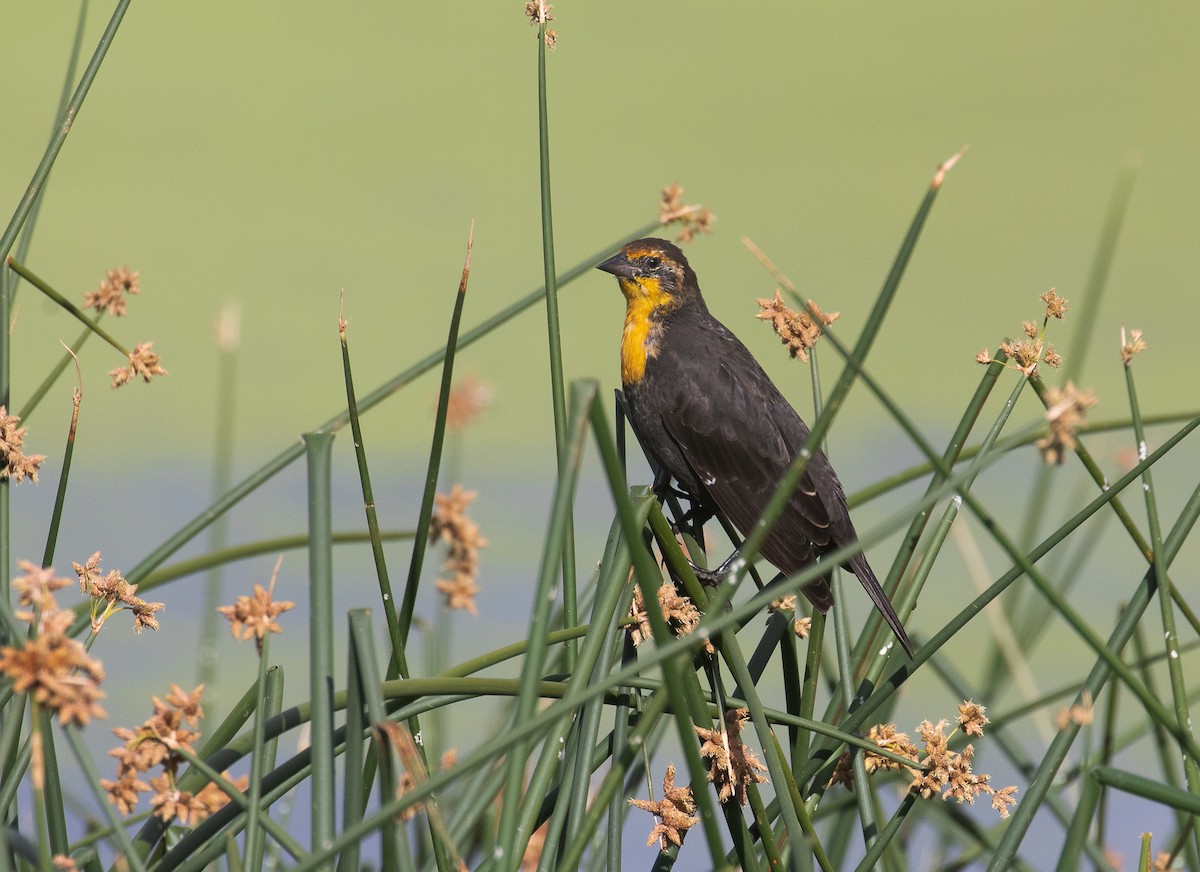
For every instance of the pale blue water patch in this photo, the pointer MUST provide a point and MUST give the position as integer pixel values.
(125, 516)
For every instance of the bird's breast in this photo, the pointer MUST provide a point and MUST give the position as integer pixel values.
(639, 340)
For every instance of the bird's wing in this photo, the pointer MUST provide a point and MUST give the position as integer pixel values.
(740, 450)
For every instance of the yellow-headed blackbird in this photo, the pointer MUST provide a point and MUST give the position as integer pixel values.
(703, 408)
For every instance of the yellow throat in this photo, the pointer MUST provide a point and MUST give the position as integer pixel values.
(644, 296)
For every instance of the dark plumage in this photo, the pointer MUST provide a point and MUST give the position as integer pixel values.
(702, 406)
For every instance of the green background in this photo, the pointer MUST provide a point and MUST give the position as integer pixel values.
(275, 154)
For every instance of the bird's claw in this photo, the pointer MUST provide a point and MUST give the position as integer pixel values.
(714, 577)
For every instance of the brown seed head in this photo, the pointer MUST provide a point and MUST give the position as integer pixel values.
(449, 524)
(971, 718)
(114, 593)
(142, 362)
(692, 218)
(1056, 306)
(110, 297)
(163, 739)
(732, 766)
(674, 812)
(54, 669)
(538, 12)
(1080, 713)
(15, 464)
(1065, 410)
(1131, 345)
(467, 400)
(252, 617)
(680, 612)
(799, 331)
(942, 773)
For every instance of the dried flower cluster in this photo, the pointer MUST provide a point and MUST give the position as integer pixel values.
(117, 594)
(692, 219)
(731, 767)
(674, 812)
(14, 464)
(538, 13)
(252, 617)
(797, 330)
(783, 604)
(51, 666)
(972, 718)
(942, 771)
(110, 297)
(800, 626)
(1079, 713)
(468, 398)
(1131, 345)
(1056, 306)
(161, 740)
(1065, 409)
(142, 362)
(887, 737)
(680, 612)
(450, 524)
(1026, 354)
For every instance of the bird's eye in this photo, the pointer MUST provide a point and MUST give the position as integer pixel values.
(653, 263)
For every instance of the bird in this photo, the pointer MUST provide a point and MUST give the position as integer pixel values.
(710, 418)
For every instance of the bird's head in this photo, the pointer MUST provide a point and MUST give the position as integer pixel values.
(653, 273)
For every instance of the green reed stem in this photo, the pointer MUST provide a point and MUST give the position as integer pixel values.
(1042, 779)
(225, 418)
(7, 282)
(557, 383)
(255, 843)
(24, 208)
(83, 757)
(1010, 443)
(1084, 317)
(9, 237)
(1179, 694)
(69, 356)
(1155, 791)
(398, 624)
(257, 548)
(60, 495)
(841, 389)
(320, 636)
(63, 303)
(510, 833)
(435, 461)
(885, 691)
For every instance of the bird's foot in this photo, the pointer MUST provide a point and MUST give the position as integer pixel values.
(713, 577)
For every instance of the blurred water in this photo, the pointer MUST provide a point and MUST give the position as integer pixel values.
(124, 515)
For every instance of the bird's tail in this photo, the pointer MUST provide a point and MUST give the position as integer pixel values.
(859, 566)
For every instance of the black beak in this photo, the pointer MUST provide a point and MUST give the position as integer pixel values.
(618, 265)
